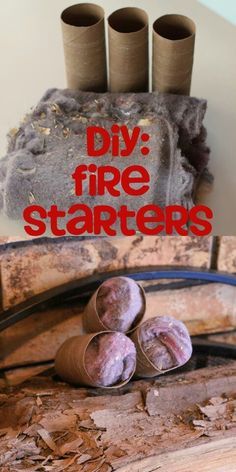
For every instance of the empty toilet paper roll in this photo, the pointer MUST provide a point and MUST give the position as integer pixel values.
(104, 359)
(128, 50)
(162, 343)
(84, 47)
(173, 54)
(118, 305)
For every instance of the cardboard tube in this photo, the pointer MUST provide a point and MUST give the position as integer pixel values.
(92, 322)
(128, 50)
(70, 361)
(173, 54)
(144, 367)
(84, 47)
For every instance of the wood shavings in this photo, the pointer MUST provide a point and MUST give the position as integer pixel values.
(213, 412)
(39, 401)
(41, 393)
(20, 449)
(83, 119)
(144, 122)
(217, 414)
(66, 132)
(71, 446)
(200, 423)
(83, 430)
(56, 109)
(47, 439)
(84, 458)
(88, 424)
(3, 397)
(58, 422)
(217, 400)
(45, 131)
(32, 198)
(65, 463)
(13, 132)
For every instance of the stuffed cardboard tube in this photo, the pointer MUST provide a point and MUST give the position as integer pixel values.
(119, 304)
(162, 344)
(83, 32)
(104, 359)
(128, 50)
(173, 54)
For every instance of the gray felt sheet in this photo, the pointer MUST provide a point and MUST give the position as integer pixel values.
(51, 142)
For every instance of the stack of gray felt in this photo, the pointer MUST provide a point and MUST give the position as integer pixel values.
(51, 142)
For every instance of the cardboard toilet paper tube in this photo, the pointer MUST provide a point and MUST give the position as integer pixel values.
(92, 321)
(128, 50)
(173, 350)
(173, 54)
(70, 362)
(144, 368)
(84, 47)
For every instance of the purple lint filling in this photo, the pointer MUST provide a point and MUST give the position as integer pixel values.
(166, 342)
(119, 303)
(110, 359)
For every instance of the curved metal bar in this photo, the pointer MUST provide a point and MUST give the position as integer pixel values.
(213, 348)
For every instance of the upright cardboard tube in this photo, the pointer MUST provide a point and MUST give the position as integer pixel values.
(92, 321)
(144, 367)
(83, 32)
(173, 54)
(128, 50)
(70, 362)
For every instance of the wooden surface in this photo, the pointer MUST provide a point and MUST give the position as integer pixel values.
(184, 422)
(216, 456)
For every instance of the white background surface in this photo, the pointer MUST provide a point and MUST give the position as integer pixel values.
(32, 60)
(225, 8)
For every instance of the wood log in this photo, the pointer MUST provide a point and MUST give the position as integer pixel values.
(18, 376)
(204, 309)
(39, 337)
(35, 267)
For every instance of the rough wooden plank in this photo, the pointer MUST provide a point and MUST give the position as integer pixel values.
(194, 387)
(227, 254)
(216, 456)
(34, 268)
